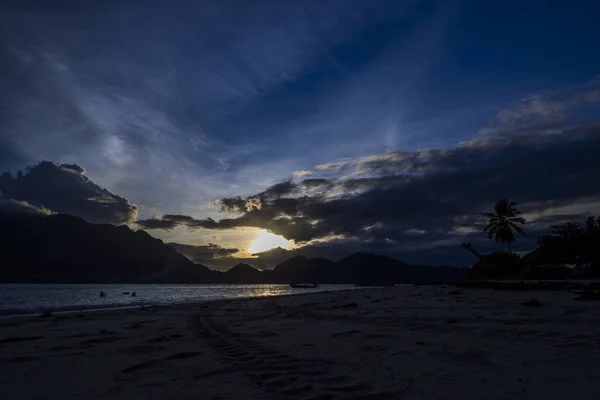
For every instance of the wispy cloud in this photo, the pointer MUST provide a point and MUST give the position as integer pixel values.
(190, 107)
(545, 113)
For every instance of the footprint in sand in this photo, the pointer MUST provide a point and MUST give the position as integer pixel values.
(378, 335)
(20, 359)
(297, 390)
(322, 396)
(142, 349)
(289, 376)
(60, 348)
(348, 333)
(150, 363)
(331, 379)
(351, 388)
(19, 339)
(182, 356)
(108, 339)
(280, 382)
(159, 339)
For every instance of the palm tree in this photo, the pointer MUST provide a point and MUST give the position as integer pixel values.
(502, 223)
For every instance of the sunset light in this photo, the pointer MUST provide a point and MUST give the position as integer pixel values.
(266, 241)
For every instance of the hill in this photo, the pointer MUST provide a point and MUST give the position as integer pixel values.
(243, 273)
(364, 268)
(66, 249)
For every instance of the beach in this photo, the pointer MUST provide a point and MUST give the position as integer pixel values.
(407, 342)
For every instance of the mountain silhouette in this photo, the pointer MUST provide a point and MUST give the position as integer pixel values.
(373, 268)
(302, 269)
(243, 273)
(65, 249)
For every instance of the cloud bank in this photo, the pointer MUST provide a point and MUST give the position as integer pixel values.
(64, 188)
(416, 200)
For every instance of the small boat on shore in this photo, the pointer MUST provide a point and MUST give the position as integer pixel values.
(304, 285)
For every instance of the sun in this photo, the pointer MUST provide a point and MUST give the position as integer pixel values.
(266, 241)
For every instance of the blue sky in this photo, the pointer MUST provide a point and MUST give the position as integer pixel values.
(174, 105)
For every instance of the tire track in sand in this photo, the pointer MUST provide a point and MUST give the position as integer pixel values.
(280, 375)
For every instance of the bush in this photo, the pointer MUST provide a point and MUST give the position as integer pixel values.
(498, 265)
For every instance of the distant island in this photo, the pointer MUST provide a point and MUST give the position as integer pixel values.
(62, 248)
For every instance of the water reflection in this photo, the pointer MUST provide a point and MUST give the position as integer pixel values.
(22, 298)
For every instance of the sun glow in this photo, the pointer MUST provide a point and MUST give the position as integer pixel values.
(266, 241)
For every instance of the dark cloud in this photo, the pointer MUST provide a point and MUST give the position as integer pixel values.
(232, 204)
(211, 255)
(278, 190)
(10, 207)
(64, 188)
(170, 221)
(316, 183)
(410, 201)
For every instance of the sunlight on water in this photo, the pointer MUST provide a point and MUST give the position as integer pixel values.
(32, 298)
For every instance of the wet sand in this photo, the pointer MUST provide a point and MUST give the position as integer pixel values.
(396, 343)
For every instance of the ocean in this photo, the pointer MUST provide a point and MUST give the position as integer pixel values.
(38, 298)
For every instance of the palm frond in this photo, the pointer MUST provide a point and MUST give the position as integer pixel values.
(489, 226)
(517, 228)
(502, 223)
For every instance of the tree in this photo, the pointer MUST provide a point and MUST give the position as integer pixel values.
(503, 222)
(570, 243)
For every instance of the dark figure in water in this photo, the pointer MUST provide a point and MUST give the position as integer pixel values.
(102, 294)
(133, 294)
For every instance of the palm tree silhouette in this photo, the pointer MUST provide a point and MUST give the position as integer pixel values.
(502, 223)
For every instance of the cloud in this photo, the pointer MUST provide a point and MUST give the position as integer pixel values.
(64, 188)
(301, 174)
(438, 193)
(543, 113)
(170, 221)
(238, 204)
(177, 98)
(211, 255)
(10, 207)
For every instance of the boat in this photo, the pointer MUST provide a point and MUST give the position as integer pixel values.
(304, 285)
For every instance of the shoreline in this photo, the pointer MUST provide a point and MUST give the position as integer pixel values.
(502, 285)
(410, 342)
(66, 310)
(147, 296)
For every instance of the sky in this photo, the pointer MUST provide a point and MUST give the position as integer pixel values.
(341, 126)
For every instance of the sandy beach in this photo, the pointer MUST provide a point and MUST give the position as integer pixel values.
(409, 342)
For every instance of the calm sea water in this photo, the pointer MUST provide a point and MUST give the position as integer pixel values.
(35, 298)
